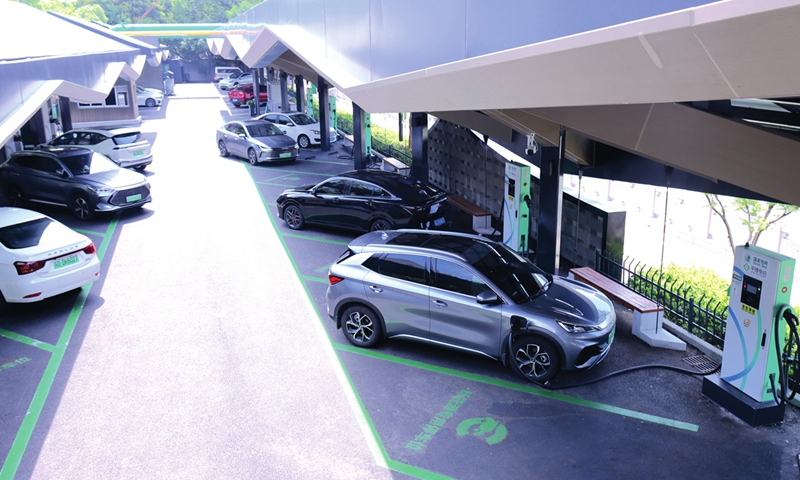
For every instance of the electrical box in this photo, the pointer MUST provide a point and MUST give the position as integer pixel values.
(367, 134)
(762, 282)
(332, 112)
(516, 206)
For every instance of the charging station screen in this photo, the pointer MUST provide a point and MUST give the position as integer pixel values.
(751, 292)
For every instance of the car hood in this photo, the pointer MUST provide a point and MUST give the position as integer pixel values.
(117, 179)
(275, 141)
(301, 189)
(571, 302)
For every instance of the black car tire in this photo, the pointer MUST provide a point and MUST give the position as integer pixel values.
(223, 150)
(303, 141)
(81, 207)
(535, 358)
(140, 168)
(293, 217)
(15, 196)
(150, 102)
(252, 157)
(379, 225)
(361, 326)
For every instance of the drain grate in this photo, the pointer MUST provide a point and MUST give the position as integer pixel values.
(702, 363)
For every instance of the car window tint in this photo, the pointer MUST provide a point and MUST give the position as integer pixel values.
(86, 164)
(42, 164)
(455, 278)
(332, 187)
(25, 234)
(263, 129)
(127, 138)
(303, 119)
(404, 267)
(69, 138)
(362, 189)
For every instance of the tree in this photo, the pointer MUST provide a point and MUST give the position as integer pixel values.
(758, 216)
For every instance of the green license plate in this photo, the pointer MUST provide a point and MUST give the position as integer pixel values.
(134, 198)
(65, 261)
(137, 153)
(284, 155)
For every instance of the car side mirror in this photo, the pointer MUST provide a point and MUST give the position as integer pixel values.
(62, 173)
(313, 192)
(487, 297)
(284, 132)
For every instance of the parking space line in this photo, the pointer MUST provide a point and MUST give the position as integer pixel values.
(20, 445)
(524, 388)
(314, 279)
(88, 232)
(27, 340)
(326, 161)
(307, 237)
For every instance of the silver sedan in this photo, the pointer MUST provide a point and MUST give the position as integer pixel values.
(257, 141)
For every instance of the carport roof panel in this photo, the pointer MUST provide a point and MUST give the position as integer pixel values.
(28, 34)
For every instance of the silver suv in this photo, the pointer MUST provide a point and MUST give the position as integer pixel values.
(471, 294)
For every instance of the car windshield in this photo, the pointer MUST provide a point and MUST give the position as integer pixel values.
(25, 234)
(302, 119)
(86, 164)
(127, 138)
(513, 274)
(414, 191)
(263, 129)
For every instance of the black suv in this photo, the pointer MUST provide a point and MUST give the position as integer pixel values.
(84, 181)
(365, 200)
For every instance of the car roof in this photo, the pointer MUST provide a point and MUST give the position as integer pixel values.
(13, 215)
(383, 178)
(58, 151)
(467, 247)
(110, 132)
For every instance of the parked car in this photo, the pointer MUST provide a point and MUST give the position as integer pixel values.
(241, 94)
(256, 141)
(304, 129)
(41, 257)
(471, 294)
(80, 179)
(148, 97)
(365, 200)
(233, 82)
(125, 146)
(225, 72)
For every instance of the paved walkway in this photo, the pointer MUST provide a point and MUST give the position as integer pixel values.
(206, 359)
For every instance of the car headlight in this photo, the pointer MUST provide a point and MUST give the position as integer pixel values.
(315, 132)
(572, 328)
(102, 191)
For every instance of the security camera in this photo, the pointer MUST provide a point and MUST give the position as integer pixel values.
(532, 147)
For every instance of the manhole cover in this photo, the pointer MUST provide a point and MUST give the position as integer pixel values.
(702, 363)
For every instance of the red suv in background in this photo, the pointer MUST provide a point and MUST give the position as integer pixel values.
(241, 94)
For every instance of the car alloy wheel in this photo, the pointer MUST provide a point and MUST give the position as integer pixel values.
(380, 225)
(223, 150)
(361, 326)
(535, 358)
(150, 102)
(294, 217)
(81, 208)
(252, 156)
(303, 141)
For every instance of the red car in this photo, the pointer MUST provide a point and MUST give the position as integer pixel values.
(241, 94)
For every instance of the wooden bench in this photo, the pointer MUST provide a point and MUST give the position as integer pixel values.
(647, 314)
(394, 165)
(481, 219)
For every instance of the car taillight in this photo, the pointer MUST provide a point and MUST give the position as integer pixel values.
(333, 279)
(24, 268)
(90, 250)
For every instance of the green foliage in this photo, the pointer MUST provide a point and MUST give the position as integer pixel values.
(242, 7)
(758, 216)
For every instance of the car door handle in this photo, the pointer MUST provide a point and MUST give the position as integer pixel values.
(440, 303)
(375, 289)
(335, 199)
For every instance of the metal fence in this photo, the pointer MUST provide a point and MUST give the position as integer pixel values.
(703, 317)
(404, 155)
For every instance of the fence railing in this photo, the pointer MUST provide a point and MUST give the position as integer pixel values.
(702, 317)
(346, 125)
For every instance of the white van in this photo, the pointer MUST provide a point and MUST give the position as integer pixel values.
(225, 72)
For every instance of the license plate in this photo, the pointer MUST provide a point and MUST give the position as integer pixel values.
(133, 198)
(65, 261)
(285, 155)
(138, 152)
(611, 336)
(439, 221)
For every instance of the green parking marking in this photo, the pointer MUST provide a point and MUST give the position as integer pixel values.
(524, 388)
(306, 237)
(14, 363)
(326, 161)
(88, 232)
(27, 340)
(314, 279)
(14, 457)
(274, 184)
(323, 269)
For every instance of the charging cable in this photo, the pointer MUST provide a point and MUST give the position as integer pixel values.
(785, 358)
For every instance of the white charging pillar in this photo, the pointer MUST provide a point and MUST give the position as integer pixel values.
(516, 206)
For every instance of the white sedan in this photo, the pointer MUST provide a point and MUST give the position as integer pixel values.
(124, 146)
(302, 128)
(148, 97)
(41, 258)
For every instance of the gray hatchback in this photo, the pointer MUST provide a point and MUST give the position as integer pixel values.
(471, 294)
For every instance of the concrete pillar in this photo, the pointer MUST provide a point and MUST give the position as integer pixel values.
(419, 146)
(284, 93)
(300, 93)
(257, 89)
(65, 114)
(548, 242)
(359, 138)
(324, 121)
